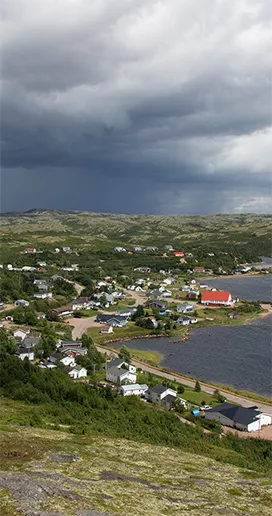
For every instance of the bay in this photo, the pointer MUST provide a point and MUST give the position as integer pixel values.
(239, 356)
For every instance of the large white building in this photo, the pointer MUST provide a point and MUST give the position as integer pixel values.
(118, 371)
(247, 419)
(135, 389)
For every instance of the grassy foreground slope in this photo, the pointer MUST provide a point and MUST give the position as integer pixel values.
(43, 227)
(44, 472)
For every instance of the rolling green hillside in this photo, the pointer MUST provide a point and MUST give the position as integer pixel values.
(98, 230)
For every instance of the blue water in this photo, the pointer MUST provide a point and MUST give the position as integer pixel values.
(240, 356)
(252, 288)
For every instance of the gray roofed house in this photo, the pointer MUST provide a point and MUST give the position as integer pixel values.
(116, 362)
(161, 395)
(242, 418)
(167, 401)
(158, 389)
(23, 353)
(113, 320)
(29, 341)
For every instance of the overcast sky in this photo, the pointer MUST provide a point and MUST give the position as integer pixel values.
(137, 106)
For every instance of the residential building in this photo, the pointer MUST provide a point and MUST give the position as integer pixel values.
(40, 315)
(62, 312)
(151, 249)
(185, 288)
(81, 303)
(21, 333)
(247, 419)
(199, 269)
(43, 295)
(193, 294)
(185, 308)
(169, 248)
(142, 269)
(135, 389)
(137, 249)
(77, 372)
(127, 312)
(160, 305)
(112, 320)
(30, 250)
(21, 302)
(216, 298)
(27, 268)
(71, 344)
(179, 254)
(23, 353)
(107, 328)
(184, 321)
(120, 249)
(161, 395)
(119, 371)
(31, 340)
(68, 361)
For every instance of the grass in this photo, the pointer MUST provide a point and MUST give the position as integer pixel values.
(197, 397)
(130, 331)
(120, 477)
(149, 357)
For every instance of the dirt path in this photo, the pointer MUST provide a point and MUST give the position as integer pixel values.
(81, 325)
(235, 398)
(139, 297)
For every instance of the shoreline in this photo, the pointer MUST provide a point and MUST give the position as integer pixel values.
(249, 396)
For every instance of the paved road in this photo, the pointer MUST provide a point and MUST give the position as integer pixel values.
(139, 297)
(245, 402)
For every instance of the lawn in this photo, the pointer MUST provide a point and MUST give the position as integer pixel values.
(130, 331)
(197, 397)
(149, 357)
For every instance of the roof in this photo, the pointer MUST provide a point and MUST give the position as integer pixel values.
(116, 362)
(117, 371)
(21, 350)
(134, 387)
(236, 413)
(158, 389)
(218, 295)
(169, 398)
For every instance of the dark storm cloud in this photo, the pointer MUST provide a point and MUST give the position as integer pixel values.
(153, 106)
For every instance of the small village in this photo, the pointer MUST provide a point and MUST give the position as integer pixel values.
(154, 303)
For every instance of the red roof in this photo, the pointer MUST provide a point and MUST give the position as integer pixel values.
(218, 295)
(199, 268)
(178, 253)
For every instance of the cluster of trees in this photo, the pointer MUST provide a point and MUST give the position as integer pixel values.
(64, 288)
(94, 360)
(16, 285)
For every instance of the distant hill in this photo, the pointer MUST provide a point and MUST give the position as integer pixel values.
(84, 228)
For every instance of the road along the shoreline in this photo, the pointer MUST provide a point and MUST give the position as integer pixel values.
(235, 398)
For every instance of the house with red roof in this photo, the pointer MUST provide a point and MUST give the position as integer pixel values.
(216, 298)
(178, 254)
(199, 269)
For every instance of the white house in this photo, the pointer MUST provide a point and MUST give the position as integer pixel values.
(247, 419)
(168, 281)
(120, 249)
(161, 395)
(118, 371)
(43, 295)
(78, 372)
(107, 328)
(185, 308)
(21, 333)
(23, 353)
(81, 303)
(135, 389)
(68, 361)
(21, 302)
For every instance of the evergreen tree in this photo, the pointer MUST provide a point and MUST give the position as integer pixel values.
(124, 354)
(197, 386)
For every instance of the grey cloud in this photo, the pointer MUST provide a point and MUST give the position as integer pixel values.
(142, 100)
